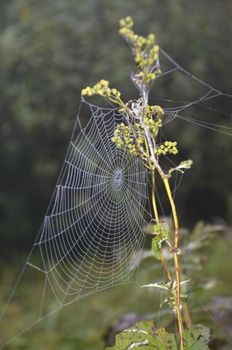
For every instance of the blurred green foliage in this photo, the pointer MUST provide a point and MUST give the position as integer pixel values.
(50, 50)
(86, 324)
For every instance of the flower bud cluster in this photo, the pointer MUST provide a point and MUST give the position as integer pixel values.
(168, 147)
(128, 140)
(155, 109)
(144, 49)
(152, 125)
(153, 118)
(133, 138)
(102, 88)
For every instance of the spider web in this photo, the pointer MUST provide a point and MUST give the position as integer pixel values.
(98, 213)
(95, 222)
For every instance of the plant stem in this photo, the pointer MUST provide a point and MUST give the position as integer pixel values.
(176, 263)
(149, 144)
(156, 215)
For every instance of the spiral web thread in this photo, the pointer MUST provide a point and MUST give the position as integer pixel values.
(95, 221)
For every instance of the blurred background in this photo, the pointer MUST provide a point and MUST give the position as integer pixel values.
(50, 50)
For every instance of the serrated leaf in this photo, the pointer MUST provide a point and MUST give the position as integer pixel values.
(145, 336)
(197, 337)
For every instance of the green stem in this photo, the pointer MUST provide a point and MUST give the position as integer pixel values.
(176, 263)
(154, 205)
(156, 216)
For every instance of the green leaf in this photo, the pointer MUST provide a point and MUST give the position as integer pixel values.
(145, 336)
(161, 285)
(156, 246)
(161, 234)
(197, 337)
(135, 337)
(164, 341)
(161, 229)
(186, 164)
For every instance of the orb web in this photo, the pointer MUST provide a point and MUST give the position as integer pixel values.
(98, 213)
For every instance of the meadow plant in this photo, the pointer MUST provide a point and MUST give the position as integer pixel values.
(138, 136)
